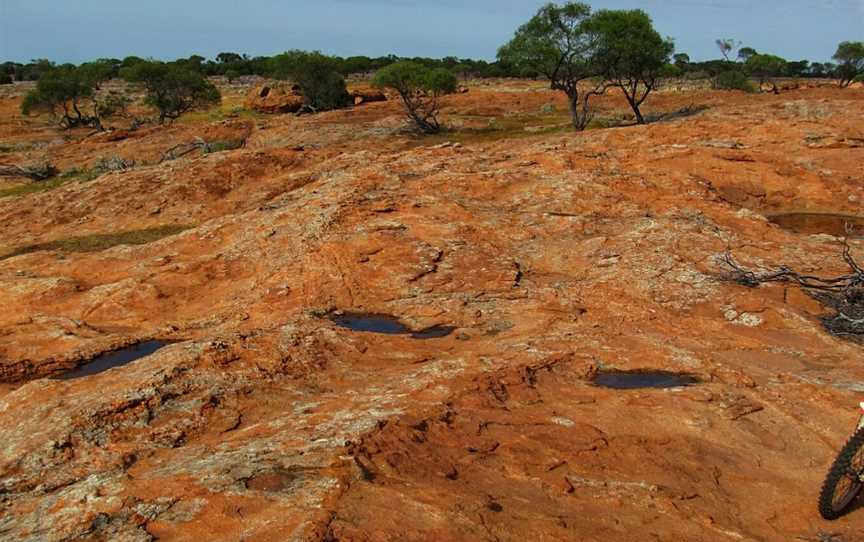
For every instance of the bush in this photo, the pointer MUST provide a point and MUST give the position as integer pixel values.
(732, 80)
(318, 77)
(420, 89)
(172, 89)
(113, 104)
(5, 79)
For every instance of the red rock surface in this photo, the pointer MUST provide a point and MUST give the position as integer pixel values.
(554, 255)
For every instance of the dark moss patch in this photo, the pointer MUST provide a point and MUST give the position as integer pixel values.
(99, 242)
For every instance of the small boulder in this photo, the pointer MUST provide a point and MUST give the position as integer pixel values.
(368, 95)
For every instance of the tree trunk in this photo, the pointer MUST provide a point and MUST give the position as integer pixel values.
(634, 104)
(580, 111)
(576, 117)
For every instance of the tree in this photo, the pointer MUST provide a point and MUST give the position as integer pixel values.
(766, 68)
(318, 77)
(732, 80)
(113, 104)
(557, 44)
(745, 53)
(682, 60)
(850, 59)
(67, 93)
(172, 88)
(420, 89)
(629, 53)
(799, 68)
(727, 46)
(228, 58)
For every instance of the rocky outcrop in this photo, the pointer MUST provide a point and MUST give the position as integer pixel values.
(274, 98)
(555, 256)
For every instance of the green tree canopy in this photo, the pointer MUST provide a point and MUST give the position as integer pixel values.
(556, 43)
(766, 68)
(850, 59)
(630, 54)
(228, 58)
(68, 93)
(420, 89)
(745, 53)
(173, 89)
(682, 60)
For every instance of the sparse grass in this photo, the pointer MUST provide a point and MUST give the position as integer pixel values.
(34, 187)
(18, 147)
(99, 242)
(231, 107)
(76, 174)
(500, 128)
(224, 145)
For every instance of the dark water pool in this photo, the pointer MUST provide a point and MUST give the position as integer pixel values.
(388, 325)
(114, 359)
(634, 380)
(815, 223)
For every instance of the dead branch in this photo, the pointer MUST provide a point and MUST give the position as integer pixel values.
(179, 151)
(844, 294)
(752, 278)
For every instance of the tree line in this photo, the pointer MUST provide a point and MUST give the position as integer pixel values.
(234, 65)
(580, 52)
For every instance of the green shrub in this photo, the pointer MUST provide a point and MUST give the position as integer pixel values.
(113, 104)
(318, 77)
(5, 79)
(173, 89)
(420, 89)
(733, 80)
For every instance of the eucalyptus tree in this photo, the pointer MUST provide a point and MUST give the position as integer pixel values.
(556, 43)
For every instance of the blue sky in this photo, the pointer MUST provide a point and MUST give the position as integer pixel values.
(78, 30)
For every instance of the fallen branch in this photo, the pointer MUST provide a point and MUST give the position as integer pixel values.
(179, 151)
(844, 294)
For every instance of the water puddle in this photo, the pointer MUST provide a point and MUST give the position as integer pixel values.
(388, 325)
(634, 380)
(816, 223)
(114, 359)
